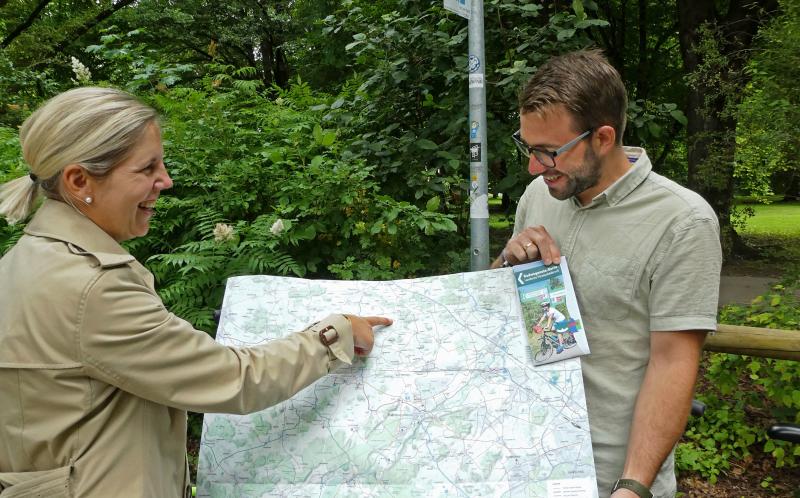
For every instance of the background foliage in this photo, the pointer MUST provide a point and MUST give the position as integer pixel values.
(327, 138)
(744, 394)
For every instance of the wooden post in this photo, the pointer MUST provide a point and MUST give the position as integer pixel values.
(752, 341)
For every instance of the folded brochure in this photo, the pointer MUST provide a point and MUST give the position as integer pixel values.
(550, 312)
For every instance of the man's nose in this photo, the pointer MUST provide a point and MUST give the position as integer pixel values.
(535, 167)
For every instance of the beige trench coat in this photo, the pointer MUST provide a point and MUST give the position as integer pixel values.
(96, 375)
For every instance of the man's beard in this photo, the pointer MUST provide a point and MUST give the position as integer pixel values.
(584, 177)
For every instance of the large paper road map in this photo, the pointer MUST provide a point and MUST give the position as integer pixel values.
(448, 404)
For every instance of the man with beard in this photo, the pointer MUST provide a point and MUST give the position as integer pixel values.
(645, 258)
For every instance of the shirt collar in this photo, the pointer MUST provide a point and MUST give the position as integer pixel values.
(628, 182)
(60, 221)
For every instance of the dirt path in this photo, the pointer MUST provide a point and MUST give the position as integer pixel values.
(736, 289)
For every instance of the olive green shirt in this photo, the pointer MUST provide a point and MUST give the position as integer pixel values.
(96, 375)
(644, 255)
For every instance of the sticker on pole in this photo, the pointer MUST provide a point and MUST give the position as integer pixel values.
(460, 7)
(473, 64)
(476, 81)
(474, 153)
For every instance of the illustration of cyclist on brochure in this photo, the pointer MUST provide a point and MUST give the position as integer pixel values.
(550, 311)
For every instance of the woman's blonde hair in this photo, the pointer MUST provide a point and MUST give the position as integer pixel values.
(94, 127)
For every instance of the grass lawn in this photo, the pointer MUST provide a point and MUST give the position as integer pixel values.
(779, 219)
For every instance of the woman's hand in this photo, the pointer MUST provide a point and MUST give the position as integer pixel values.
(363, 337)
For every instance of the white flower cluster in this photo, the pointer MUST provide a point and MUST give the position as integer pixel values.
(277, 227)
(82, 74)
(223, 232)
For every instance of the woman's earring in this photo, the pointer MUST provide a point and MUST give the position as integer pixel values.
(88, 200)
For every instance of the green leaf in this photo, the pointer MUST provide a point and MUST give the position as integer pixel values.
(307, 233)
(317, 133)
(577, 6)
(587, 23)
(565, 34)
(424, 143)
(399, 76)
(433, 204)
(679, 116)
(328, 138)
(654, 129)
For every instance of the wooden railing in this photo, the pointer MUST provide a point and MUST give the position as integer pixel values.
(752, 341)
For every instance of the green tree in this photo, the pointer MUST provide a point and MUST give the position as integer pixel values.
(716, 39)
(767, 140)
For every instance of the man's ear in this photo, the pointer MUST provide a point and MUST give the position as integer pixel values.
(606, 139)
(76, 182)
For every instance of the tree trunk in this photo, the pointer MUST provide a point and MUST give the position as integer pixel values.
(641, 72)
(267, 58)
(715, 47)
(281, 68)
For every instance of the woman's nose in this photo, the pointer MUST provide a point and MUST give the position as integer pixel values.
(164, 182)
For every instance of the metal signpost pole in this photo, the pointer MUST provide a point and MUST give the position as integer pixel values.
(478, 185)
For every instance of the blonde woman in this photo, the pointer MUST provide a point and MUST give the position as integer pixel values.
(96, 375)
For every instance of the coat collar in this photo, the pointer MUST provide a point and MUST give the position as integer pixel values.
(60, 221)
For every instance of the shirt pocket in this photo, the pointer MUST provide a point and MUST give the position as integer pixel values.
(605, 287)
(56, 483)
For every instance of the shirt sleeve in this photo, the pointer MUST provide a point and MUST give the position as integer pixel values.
(685, 285)
(130, 340)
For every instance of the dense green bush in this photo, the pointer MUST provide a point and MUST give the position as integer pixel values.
(274, 186)
(745, 394)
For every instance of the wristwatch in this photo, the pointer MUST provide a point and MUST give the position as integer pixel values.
(635, 486)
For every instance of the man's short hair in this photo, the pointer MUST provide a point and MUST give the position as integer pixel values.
(586, 84)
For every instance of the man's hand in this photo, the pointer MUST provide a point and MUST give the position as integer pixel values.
(529, 245)
(363, 337)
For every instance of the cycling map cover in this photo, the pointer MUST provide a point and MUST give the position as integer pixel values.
(550, 311)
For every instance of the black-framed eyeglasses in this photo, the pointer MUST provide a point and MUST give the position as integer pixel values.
(547, 158)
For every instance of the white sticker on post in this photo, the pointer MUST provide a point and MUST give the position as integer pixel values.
(476, 80)
(479, 206)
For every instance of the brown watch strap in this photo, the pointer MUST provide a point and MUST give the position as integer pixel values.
(633, 485)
